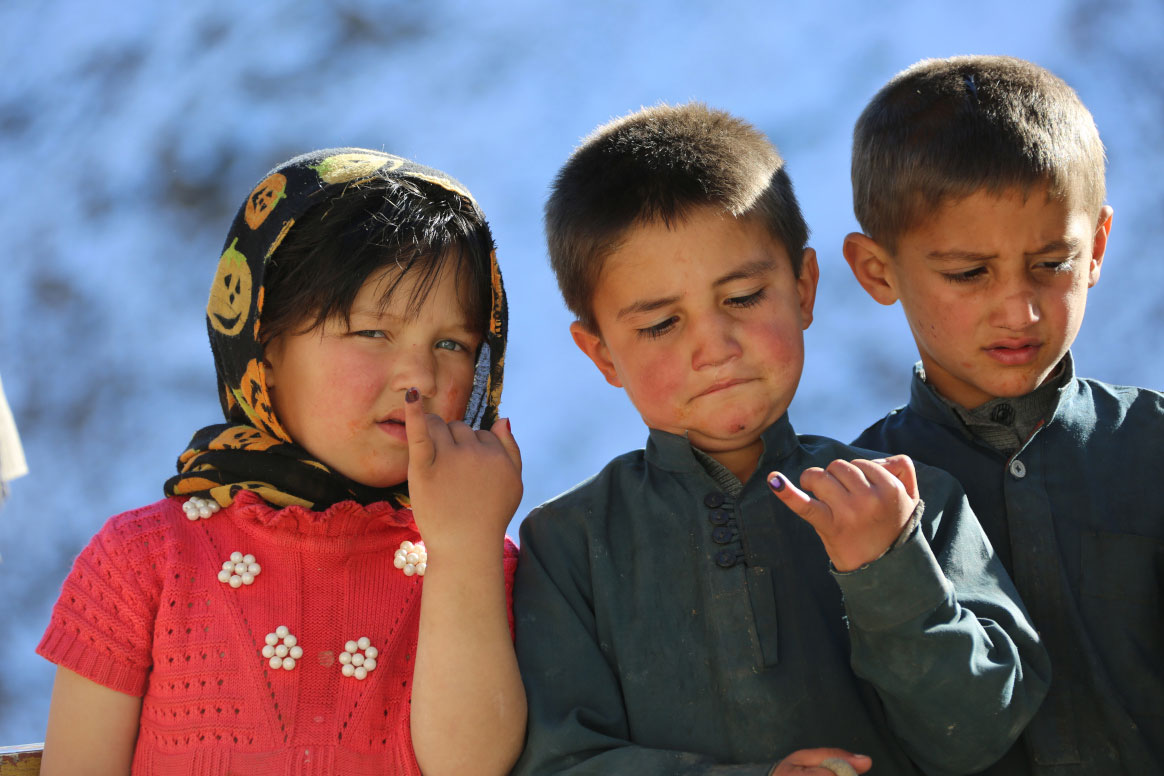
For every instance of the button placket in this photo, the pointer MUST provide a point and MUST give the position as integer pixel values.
(724, 530)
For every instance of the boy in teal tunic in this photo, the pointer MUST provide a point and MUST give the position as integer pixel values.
(979, 184)
(673, 615)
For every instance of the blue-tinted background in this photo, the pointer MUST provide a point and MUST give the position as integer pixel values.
(130, 132)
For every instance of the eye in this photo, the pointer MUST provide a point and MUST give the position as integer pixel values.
(749, 300)
(448, 344)
(370, 334)
(1056, 265)
(659, 329)
(965, 276)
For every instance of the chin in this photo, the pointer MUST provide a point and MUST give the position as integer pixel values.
(377, 479)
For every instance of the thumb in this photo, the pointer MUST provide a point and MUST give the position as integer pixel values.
(901, 467)
(503, 430)
(816, 513)
(421, 451)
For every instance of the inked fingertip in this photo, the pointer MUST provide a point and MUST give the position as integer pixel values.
(411, 395)
(776, 481)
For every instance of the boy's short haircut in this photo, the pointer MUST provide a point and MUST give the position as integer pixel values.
(381, 224)
(945, 128)
(657, 165)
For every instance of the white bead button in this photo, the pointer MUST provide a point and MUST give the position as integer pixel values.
(411, 559)
(199, 508)
(239, 570)
(358, 658)
(281, 649)
(1018, 469)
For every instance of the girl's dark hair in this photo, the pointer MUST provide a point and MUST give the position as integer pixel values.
(378, 225)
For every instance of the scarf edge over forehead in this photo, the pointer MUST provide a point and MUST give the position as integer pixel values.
(252, 450)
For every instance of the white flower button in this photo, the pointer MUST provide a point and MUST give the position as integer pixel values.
(199, 508)
(358, 658)
(239, 570)
(411, 559)
(282, 649)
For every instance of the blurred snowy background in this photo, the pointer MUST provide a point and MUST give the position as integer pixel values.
(130, 132)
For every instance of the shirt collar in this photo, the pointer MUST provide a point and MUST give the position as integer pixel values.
(925, 401)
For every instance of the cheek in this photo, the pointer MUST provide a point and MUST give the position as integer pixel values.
(655, 380)
(453, 396)
(778, 341)
(933, 311)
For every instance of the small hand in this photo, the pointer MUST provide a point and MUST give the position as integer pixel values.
(822, 762)
(860, 507)
(464, 485)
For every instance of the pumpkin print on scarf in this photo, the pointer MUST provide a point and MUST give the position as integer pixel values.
(252, 451)
(230, 293)
(265, 196)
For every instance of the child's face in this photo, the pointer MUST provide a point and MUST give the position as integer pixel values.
(702, 325)
(339, 389)
(994, 289)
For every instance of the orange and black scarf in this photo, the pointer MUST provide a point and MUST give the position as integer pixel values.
(252, 451)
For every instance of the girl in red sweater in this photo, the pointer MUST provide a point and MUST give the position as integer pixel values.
(278, 611)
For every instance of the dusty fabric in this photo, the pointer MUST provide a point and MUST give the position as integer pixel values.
(1077, 522)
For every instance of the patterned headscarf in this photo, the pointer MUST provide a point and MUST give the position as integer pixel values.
(252, 450)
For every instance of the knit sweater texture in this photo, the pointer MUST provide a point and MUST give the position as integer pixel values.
(144, 613)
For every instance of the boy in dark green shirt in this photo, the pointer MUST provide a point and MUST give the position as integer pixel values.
(673, 617)
(979, 183)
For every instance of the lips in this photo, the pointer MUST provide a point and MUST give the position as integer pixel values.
(1014, 352)
(720, 385)
(393, 425)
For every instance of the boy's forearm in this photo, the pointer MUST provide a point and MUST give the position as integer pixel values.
(468, 704)
(960, 669)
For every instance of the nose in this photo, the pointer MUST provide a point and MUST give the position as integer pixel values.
(715, 342)
(1018, 305)
(414, 366)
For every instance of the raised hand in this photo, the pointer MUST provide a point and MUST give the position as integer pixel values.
(464, 485)
(822, 762)
(858, 507)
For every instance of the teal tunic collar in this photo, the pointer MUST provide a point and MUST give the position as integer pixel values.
(925, 401)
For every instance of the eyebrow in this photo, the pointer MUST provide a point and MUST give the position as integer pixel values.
(461, 326)
(1069, 245)
(745, 271)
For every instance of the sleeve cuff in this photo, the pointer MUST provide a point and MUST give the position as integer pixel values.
(899, 586)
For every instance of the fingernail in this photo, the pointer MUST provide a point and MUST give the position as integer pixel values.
(411, 395)
(776, 482)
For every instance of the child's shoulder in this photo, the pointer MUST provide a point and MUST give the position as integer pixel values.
(159, 519)
(138, 537)
(1144, 403)
(1098, 415)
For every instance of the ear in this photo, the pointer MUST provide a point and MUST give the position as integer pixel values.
(870, 265)
(1099, 246)
(592, 345)
(806, 285)
(272, 357)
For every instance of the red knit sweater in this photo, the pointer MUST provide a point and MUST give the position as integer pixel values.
(143, 612)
